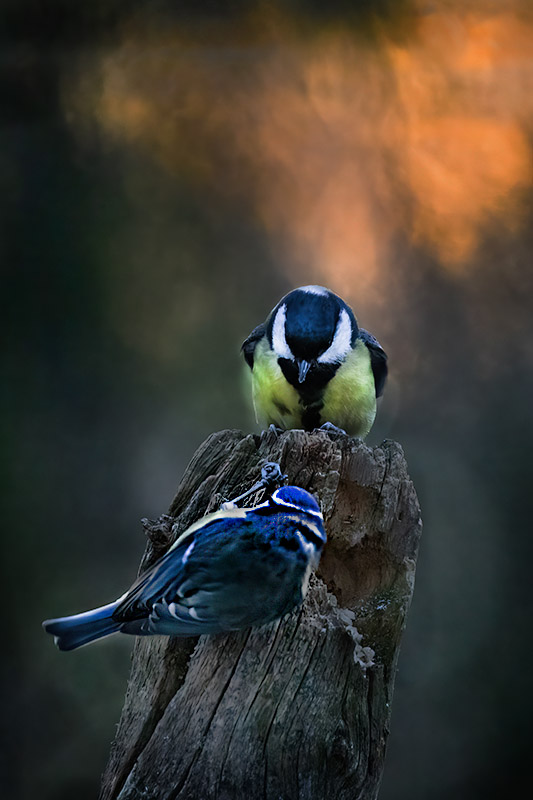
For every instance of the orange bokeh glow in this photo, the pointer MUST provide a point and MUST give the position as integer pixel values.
(339, 146)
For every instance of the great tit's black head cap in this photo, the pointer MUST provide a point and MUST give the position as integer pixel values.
(312, 323)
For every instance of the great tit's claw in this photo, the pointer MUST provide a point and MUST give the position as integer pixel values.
(329, 427)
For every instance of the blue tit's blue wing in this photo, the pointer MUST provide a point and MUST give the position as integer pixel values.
(378, 360)
(152, 586)
(163, 579)
(249, 344)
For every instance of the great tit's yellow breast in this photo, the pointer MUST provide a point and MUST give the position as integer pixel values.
(275, 400)
(349, 399)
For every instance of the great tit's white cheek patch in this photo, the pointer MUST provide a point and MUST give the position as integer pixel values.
(341, 343)
(279, 341)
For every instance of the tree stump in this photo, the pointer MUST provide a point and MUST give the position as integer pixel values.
(298, 709)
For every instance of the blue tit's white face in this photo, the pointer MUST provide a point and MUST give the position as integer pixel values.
(311, 331)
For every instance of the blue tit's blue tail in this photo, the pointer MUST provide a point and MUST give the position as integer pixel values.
(72, 632)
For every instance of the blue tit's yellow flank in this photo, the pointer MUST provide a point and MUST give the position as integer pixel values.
(230, 570)
(312, 365)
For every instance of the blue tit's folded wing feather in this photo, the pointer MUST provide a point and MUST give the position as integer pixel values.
(173, 619)
(164, 579)
(157, 582)
(378, 360)
(249, 344)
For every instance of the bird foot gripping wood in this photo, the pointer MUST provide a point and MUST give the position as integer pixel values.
(329, 427)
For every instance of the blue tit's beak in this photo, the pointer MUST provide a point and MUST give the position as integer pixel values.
(303, 369)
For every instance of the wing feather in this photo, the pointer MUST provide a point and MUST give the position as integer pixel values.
(249, 344)
(168, 577)
(378, 360)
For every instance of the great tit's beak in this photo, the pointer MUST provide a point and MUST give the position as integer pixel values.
(303, 369)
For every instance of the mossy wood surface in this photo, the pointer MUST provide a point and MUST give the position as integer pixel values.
(299, 709)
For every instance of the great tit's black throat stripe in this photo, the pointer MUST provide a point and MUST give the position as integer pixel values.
(318, 376)
(311, 417)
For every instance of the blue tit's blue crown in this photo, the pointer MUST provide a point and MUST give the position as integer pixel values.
(292, 497)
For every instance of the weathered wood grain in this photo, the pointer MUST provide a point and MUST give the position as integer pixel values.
(298, 709)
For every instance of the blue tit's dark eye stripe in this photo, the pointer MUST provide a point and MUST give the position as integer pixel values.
(289, 543)
(311, 533)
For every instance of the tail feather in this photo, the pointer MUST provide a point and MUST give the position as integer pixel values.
(80, 629)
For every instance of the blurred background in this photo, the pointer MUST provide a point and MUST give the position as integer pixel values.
(169, 171)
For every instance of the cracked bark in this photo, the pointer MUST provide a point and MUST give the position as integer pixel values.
(291, 710)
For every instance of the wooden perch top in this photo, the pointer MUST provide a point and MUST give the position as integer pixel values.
(298, 709)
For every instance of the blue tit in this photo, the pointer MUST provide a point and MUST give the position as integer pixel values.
(313, 366)
(230, 570)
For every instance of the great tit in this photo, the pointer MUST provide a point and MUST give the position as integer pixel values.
(230, 570)
(312, 366)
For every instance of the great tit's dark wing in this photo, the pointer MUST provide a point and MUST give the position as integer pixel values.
(249, 344)
(378, 360)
